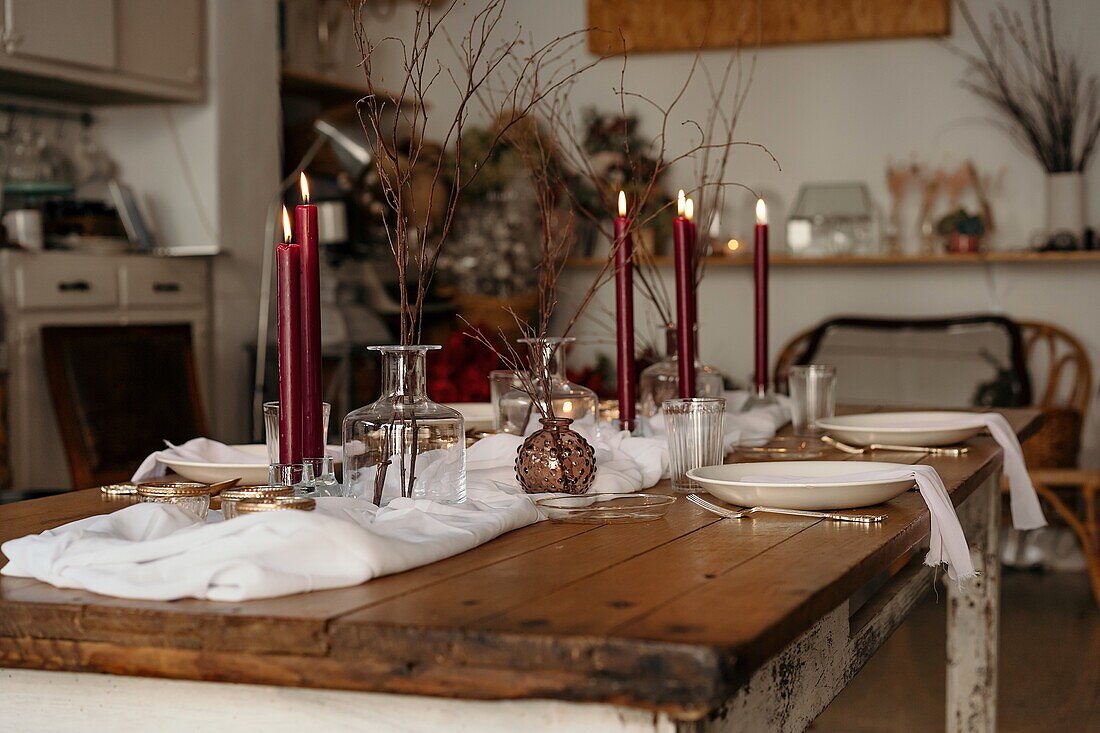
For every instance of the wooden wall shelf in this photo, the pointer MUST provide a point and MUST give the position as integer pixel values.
(786, 260)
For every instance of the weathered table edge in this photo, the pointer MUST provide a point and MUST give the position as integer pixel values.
(635, 673)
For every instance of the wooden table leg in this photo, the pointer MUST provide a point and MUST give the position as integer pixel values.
(973, 620)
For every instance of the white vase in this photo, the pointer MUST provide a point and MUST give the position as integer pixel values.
(1066, 203)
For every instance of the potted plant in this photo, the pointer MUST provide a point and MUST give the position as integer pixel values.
(962, 231)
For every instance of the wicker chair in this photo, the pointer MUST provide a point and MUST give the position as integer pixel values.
(1052, 452)
(1058, 368)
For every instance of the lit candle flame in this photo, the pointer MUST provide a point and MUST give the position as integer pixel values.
(689, 209)
(622, 203)
(733, 245)
(680, 203)
(286, 225)
(305, 188)
(761, 212)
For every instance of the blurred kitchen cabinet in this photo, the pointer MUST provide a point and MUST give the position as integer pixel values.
(79, 32)
(103, 51)
(160, 39)
(79, 289)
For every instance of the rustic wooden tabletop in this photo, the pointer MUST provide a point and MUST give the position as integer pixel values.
(669, 615)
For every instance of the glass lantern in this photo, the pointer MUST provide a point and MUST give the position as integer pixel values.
(661, 381)
(519, 415)
(403, 444)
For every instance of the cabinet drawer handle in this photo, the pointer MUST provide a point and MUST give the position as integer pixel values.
(81, 286)
(166, 287)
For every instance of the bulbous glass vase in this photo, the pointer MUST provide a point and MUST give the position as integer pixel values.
(555, 459)
(519, 414)
(661, 381)
(403, 444)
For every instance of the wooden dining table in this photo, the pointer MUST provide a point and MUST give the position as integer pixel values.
(689, 623)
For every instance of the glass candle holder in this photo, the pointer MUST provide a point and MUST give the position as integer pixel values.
(694, 428)
(298, 476)
(230, 497)
(813, 396)
(275, 504)
(271, 428)
(194, 497)
(324, 477)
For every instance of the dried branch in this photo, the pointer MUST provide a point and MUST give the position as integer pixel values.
(1048, 104)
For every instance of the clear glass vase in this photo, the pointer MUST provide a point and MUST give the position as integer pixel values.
(520, 415)
(403, 444)
(661, 381)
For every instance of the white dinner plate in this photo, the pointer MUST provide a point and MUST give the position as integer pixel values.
(251, 474)
(908, 428)
(477, 415)
(813, 490)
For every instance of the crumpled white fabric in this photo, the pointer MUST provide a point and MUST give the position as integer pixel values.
(162, 552)
(201, 450)
(947, 543)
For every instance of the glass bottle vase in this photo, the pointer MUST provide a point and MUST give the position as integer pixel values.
(403, 444)
(519, 414)
(661, 381)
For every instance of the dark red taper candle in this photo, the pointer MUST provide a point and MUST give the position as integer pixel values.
(760, 280)
(684, 256)
(305, 220)
(289, 275)
(624, 315)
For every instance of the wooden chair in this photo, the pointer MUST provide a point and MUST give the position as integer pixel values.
(119, 392)
(1052, 452)
(1038, 353)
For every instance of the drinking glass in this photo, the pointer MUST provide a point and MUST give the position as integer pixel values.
(501, 382)
(694, 428)
(813, 396)
(271, 428)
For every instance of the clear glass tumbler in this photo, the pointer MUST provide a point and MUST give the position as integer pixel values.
(271, 428)
(813, 396)
(298, 476)
(501, 382)
(694, 429)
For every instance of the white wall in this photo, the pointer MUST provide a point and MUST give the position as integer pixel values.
(838, 112)
(207, 172)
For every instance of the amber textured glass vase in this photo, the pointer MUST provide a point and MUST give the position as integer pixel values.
(556, 459)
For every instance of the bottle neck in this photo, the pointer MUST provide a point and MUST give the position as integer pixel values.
(403, 374)
(548, 358)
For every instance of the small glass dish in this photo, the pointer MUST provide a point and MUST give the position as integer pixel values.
(782, 449)
(610, 508)
(230, 497)
(188, 495)
(275, 504)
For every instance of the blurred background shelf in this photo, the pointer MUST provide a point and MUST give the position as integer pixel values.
(785, 260)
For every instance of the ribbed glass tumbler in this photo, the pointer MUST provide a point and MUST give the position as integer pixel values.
(694, 428)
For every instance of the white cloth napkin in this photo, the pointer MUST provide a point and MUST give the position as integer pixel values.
(200, 450)
(162, 552)
(1022, 499)
(758, 424)
(947, 543)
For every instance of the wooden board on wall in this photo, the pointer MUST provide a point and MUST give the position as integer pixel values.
(674, 25)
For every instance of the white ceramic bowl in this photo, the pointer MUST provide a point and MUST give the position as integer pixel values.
(813, 490)
(906, 428)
